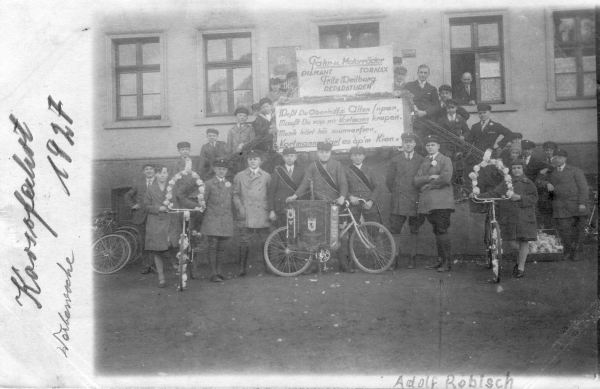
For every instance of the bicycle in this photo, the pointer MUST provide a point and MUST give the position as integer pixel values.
(186, 253)
(591, 225)
(113, 246)
(372, 247)
(492, 238)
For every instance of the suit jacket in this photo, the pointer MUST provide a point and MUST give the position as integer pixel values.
(218, 217)
(533, 167)
(239, 134)
(279, 191)
(209, 154)
(570, 190)
(458, 126)
(322, 190)
(485, 139)
(425, 99)
(400, 182)
(134, 196)
(162, 228)
(358, 189)
(436, 194)
(461, 95)
(250, 198)
(261, 129)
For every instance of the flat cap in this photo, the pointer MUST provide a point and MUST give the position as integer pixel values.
(484, 107)
(409, 136)
(212, 131)
(221, 163)
(252, 154)
(561, 153)
(445, 87)
(527, 145)
(264, 100)
(289, 150)
(517, 135)
(550, 145)
(291, 74)
(325, 146)
(357, 150)
(181, 145)
(451, 102)
(241, 110)
(430, 139)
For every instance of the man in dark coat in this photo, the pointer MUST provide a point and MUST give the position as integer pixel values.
(363, 183)
(445, 92)
(453, 123)
(425, 99)
(569, 207)
(285, 180)
(134, 199)
(533, 165)
(465, 92)
(210, 152)
(487, 134)
(405, 196)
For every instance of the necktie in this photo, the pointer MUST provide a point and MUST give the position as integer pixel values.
(431, 157)
(290, 171)
(148, 182)
(468, 89)
(482, 124)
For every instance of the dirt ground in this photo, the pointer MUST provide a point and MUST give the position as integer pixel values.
(341, 323)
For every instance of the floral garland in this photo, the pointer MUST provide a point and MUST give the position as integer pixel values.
(488, 160)
(187, 170)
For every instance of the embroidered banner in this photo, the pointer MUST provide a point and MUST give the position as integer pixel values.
(312, 224)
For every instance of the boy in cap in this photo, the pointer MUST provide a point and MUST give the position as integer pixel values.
(436, 199)
(533, 165)
(445, 92)
(210, 152)
(218, 223)
(250, 200)
(363, 183)
(180, 165)
(264, 124)
(134, 199)
(571, 194)
(400, 73)
(549, 149)
(292, 81)
(276, 92)
(241, 133)
(405, 196)
(285, 180)
(487, 134)
(452, 122)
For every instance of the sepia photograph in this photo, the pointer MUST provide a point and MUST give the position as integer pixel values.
(315, 194)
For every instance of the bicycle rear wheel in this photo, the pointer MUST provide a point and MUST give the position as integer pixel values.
(110, 253)
(496, 251)
(135, 248)
(281, 258)
(376, 254)
(135, 234)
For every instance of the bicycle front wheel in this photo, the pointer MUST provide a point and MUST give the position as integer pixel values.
(496, 251)
(110, 253)
(134, 241)
(281, 258)
(372, 247)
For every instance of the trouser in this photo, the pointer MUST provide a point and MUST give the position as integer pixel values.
(440, 221)
(159, 258)
(216, 248)
(370, 215)
(571, 231)
(281, 219)
(414, 224)
(147, 259)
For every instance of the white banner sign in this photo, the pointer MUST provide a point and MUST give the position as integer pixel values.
(345, 71)
(370, 123)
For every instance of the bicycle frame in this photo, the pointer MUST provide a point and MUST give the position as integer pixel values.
(353, 223)
(182, 265)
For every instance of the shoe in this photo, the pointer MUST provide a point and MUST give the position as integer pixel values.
(162, 284)
(515, 270)
(520, 274)
(444, 266)
(147, 270)
(394, 264)
(436, 265)
(215, 278)
(222, 277)
(411, 262)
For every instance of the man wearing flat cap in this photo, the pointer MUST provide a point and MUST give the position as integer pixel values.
(364, 182)
(184, 159)
(549, 148)
(544, 205)
(399, 78)
(210, 152)
(218, 225)
(569, 206)
(436, 199)
(285, 180)
(452, 122)
(405, 197)
(292, 81)
(240, 134)
(445, 93)
(533, 165)
(250, 200)
(487, 134)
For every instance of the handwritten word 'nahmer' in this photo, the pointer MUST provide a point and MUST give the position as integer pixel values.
(29, 286)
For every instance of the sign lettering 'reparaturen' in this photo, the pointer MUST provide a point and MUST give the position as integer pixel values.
(341, 72)
(369, 123)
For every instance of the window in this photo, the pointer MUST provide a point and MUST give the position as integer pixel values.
(574, 54)
(349, 36)
(476, 46)
(138, 78)
(228, 72)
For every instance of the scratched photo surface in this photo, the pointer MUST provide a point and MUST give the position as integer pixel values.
(93, 91)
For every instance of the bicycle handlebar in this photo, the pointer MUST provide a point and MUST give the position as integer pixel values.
(488, 200)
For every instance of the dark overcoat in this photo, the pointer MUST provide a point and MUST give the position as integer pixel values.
(485, 139)
(356, 187)
(134, 196)
(209, 154)
(322, 190)
(426, 98)
(570, 190)
(436, 194)
(461, 95)
(162, 228)
(218, 216)
(250, 198)
(517, 218)
(279, 191)
(400, 182)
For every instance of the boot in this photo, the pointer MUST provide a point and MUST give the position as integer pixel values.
(262, 253)
(244, 251)
(446, 244)
(412, 262)
(412, 247)
(440, 260)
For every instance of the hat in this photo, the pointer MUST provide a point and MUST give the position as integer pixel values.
(144, 166)
(400, 70)
(516, 146)
(445, 87)
(221, 163)
(561, 153)
(484, 107)
(264, 100)
(291, 75)
(451, 102)
(241, 110)
(517, 135)
(212, 131)
(409, 136)
(252, 154)
(325, 146)
(431, 138)
(527, 145)
(550, 145)
(357, 150)
(289, 150)
(181, 145)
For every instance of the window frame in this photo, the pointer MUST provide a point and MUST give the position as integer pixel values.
(227, 64)
(112, 120)
(361, 27)
(554, 102)
(509, 104)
